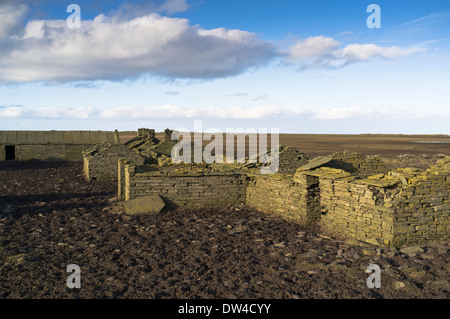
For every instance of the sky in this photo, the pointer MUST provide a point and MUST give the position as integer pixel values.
(299, 66)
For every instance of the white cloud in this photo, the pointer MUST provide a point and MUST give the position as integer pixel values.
(240, 94)
(345, 33)
(164, 111)
(358, 112)
(324, 52)
(169, 111)
(261, 98)
(363, 52)
(110, 49)
(312, 47)
(10, 19)
(11, 111)
(62, 112)
(174, 111)
(172, 92)
(14, 111)
(174, 6)
(339, 113)
(116, 48)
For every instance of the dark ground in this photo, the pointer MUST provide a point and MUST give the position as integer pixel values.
(50, 218)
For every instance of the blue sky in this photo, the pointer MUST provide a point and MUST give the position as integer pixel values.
(299, 66)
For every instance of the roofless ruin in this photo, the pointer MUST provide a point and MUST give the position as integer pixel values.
(348, 194)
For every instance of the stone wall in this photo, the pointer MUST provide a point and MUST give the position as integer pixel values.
(290, 159)
(351, 208)
(52, 145)
(358, 164)
(185, 189)
(404, 207)
(100, 162)
(121, 178)
(423, 205)
(280, 195)
(50, 152)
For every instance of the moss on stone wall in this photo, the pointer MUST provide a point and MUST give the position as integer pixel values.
(404, 207)
(187, 189)
(390, 208)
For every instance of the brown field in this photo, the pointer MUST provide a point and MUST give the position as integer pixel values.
(367, 144)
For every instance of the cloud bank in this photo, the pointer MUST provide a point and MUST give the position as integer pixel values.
(115, 48)
(111, 49)
(179, 112)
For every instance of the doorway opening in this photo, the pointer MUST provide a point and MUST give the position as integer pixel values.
(10, 152)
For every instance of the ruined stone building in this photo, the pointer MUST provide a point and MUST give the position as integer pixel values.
(347, 194)
(100, 161)
(51, 145)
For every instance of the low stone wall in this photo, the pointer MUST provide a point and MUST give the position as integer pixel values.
(280, 195)
(350, 208)
(290, 159)
(52, 145)
(401, 208)
(358, 164)
(407, 206)
(423, 205)
(185, 189)
(121, 178)
(49, 152)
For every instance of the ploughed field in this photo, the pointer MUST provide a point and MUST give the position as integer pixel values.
(50, 218)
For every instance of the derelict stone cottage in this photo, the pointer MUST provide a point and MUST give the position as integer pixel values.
(51, 145)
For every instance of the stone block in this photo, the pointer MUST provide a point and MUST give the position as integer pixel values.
(412, 250)
(152, 204)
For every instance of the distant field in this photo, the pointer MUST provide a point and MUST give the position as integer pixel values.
(367, 144)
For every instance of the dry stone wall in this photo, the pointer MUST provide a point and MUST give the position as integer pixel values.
(350, 208)
(101, 161)
(406, 206)
(51, 145)
(423, 205)
(282, 196)
(50, 152)
(358, 164)
(290, 159)
(185, 189)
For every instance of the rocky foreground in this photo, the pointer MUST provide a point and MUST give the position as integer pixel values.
(50, 218)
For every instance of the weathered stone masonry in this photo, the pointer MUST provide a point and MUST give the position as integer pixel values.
(185, 189)
(388, 209)
(51, 145)
(282, 195)
(100, 162)
(403, 207)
